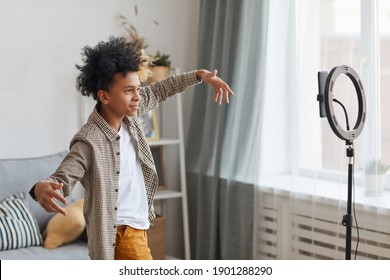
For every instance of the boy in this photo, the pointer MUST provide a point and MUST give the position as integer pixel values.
(110, 155)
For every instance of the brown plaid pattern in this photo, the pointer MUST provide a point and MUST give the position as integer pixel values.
(94, 160)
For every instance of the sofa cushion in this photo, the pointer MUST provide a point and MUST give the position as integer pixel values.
(18, 227)
(19, 175)
(62, 229)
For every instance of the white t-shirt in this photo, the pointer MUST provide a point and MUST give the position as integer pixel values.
(132, 200)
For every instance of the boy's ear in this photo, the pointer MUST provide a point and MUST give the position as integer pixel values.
(103, 96)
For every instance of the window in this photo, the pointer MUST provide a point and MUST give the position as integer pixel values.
(384, 32)
(332, 33)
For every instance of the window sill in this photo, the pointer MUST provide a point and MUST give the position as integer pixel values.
(321, 189)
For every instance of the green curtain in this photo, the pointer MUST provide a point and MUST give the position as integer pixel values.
(223, 147)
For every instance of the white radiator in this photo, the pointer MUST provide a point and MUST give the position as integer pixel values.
(297, 229)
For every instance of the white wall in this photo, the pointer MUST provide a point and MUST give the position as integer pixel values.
(41, 41)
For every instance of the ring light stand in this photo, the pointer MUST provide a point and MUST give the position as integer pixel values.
(325, 97)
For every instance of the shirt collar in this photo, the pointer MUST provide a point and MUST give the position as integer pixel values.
(110, 133)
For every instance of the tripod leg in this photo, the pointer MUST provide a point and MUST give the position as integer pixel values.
(347, 219)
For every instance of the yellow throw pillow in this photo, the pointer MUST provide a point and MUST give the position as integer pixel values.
(64, 229)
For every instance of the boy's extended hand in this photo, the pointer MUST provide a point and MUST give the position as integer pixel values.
(47, 195)
(220, 87)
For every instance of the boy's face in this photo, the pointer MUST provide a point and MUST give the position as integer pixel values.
(123, 94)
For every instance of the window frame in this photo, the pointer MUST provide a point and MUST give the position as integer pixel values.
(370, 73)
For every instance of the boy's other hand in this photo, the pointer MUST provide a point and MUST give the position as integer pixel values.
(48, 197)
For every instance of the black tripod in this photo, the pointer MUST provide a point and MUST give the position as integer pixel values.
(347, 218)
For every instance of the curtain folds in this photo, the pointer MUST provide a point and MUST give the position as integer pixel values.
(223, 144)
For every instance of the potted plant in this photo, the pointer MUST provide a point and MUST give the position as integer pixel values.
(160, 67)
(374, 176)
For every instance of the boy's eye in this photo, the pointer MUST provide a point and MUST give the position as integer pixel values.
(131, 90)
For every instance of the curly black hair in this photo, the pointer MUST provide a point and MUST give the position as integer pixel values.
(105, 60)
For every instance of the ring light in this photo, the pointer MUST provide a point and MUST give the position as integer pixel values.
(334, 124)
(326, 100)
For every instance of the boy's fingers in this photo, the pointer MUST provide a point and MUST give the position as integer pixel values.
(56, 194)
(56, 186)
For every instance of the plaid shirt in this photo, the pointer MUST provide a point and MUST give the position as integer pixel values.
(94, 160)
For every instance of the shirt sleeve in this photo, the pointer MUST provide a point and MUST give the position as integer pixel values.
(161, 90)
(71, 169)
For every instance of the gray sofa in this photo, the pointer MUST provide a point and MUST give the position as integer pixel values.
(19, 175)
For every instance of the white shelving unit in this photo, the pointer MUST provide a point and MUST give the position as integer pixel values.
(179, 192)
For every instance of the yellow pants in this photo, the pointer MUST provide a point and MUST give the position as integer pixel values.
(131, 244)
